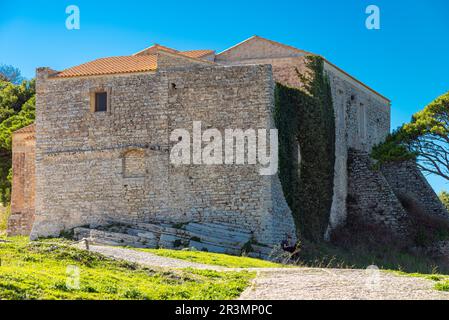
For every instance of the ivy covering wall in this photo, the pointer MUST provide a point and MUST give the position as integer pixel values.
(305, 120)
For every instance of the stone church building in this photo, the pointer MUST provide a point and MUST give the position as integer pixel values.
(98, 153)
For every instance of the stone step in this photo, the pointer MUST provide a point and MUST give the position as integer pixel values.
(213, 248)
(195, 230)
(213, 237)
(172, 242)
(143, 234)
(217, 232)
(218, 240)
(148, 227)
(113, 238)
(168, 237)
(226, 226)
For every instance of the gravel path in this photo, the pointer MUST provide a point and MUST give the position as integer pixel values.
(153, 260)
(148, 259)
(339, 284)
(302, 283)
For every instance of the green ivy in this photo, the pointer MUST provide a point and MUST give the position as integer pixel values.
(306, 117)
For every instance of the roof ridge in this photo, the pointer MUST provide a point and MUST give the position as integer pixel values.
(179, 54)
(307, 53)
(27, 129)
(267, 40)
(202, 52)
(156, 46)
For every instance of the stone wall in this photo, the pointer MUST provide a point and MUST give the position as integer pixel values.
(407, 181)
(166, 60)
(370, 197)
(285, 70)
(93, 168)
(362, 117)
(257, 48)
(22, 198)
(362, 120)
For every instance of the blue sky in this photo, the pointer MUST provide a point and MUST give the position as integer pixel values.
(407, 60)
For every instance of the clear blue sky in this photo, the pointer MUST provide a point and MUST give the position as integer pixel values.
(407, 59)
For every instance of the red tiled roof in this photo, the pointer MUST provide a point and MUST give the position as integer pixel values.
(197, 53)
(28, 129)
(112, 65)
(143, 61)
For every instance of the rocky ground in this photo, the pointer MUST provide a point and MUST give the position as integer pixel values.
(304, 283)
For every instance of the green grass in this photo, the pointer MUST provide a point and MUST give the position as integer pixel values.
(442, 286)
(215, 259)
(441, 280)
(38, 270)
(4, 214)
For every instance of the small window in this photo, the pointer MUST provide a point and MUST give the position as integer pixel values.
(101, 101)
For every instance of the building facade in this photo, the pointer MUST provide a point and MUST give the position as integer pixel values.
(102, 140)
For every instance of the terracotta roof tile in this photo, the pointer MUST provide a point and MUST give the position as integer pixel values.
(197, 53)
(112, 65)
(140, 62)
(28, 129)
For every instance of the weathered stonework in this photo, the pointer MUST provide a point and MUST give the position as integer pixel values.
(114, 166)
(22, 198)
(98, 168)
(370, 197)
(362, 116)
(379, 193)
(407, 181)
(362, 120)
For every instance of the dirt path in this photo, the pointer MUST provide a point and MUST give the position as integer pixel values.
(302, 283)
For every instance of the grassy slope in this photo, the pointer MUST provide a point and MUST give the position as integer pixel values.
(39, 271)
(215, 259)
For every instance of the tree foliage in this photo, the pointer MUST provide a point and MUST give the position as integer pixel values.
(17, 110)
(444, 198)
(425, 138)
(10, 74)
